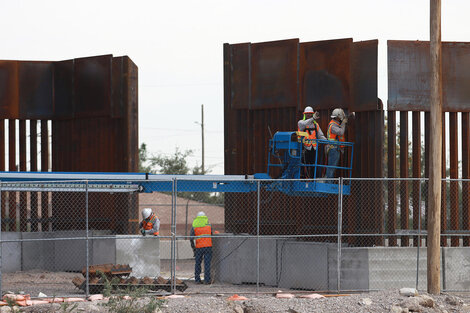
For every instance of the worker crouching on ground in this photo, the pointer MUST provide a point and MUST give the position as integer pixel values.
(335, 132)
(311, 127)
(201, 232)
(150, 224)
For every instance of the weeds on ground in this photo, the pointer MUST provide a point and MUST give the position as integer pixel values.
(11, 304)
(68, 307)
(136, 303)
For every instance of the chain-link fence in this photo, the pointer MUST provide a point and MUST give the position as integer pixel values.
(354, 235)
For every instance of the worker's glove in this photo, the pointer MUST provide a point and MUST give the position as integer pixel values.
(345, 120)
(142, 231)
(316, 115)
(194, 252)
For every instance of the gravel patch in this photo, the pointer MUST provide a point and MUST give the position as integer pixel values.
(373, 302)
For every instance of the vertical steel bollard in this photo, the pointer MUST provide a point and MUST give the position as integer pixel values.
(257, 237)
(419, 234)
(87, 242)
(340, 224)
(173, 244)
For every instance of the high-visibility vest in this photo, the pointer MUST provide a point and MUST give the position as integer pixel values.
(148, 223)
(202, 229)
(332, 136)
(204, 241)
(312, 135)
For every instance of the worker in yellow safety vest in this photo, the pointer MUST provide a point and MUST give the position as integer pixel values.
(313, 131)
(150, 223)
(201, 242)
(335, 132)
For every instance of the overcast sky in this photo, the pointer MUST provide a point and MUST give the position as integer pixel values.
(178, 47)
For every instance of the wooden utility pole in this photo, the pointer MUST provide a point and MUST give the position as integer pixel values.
(435, 161)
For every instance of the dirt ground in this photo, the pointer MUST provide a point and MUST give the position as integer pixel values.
(214, 297)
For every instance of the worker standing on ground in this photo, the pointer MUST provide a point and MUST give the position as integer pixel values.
(335, 132)
(201, 232)
(150, 223)
(309, 125)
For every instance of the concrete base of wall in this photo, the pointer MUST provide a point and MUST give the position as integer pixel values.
(309, 265)
(142, 254)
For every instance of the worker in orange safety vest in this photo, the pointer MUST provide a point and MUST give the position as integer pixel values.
(201, 242)
(335, 132)
(150, 223)
(308, 124)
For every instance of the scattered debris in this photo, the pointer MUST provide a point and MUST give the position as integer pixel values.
(365, 301)
(236, 297)
(312, 296)
(175, 297)
(408, 292)
(284, 296)
(426, 301)
(118, 276)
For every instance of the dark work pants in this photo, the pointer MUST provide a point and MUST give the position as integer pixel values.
(309, 158)
(206, 254)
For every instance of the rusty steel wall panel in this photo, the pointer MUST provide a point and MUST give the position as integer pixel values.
(324, 74)
(409, 71)
(64, 106)
(92, 86)
(35, 89)
(118, 108)
(130, 120)
(9, 90)
(364, 56)
(274, 74)
(240, 78)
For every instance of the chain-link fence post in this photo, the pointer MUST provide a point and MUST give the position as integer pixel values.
(173, 238)
(340, 223)
(257, 237)
(87, 242)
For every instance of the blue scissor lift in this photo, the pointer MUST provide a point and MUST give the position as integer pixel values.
(287, 148)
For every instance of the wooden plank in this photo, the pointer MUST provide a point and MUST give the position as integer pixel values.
(12, 168)
(22, 195)
(466, 175)
(416, 139)
(454, 174)
(404, 203)
(33, 155)
(392, 167)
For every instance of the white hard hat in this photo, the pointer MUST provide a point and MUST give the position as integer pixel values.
(201, 214)
(308, 110)
(146, 212)
(339, 113)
